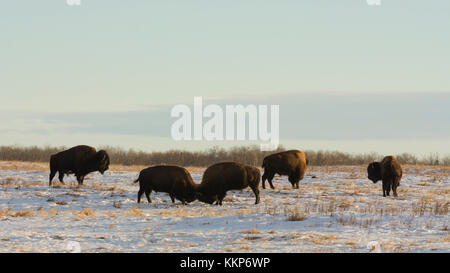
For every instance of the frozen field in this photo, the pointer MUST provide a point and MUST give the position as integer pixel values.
(338, 211)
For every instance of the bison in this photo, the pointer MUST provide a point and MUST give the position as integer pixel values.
(222, 177)
(80, 160)
(174, 180)
(291, 163)
(389, 171)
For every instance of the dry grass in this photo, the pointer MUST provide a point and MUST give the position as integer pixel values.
(295, 214)
(431, 204)
(44, 166)
(244, 248)
(23, 166)
(437, 173)
(253, 231)
(86, 212)
(225, 212)
(178, 213)
(134, 211)
(351, 220)
(445, 239)
(138, 168)
(252, 234)
(20, 213)
(103, 187)
(252, 237)
(318, 239)
(345, 203)
(50, 212)
(364, 222)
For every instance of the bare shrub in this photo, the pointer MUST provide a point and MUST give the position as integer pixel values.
(135, 211)
(253, 231)
(294, 214)
(117, 204)
(20, 213)
(86, 212)
(440, 208)
(251, 155)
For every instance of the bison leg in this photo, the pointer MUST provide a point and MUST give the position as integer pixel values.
(147, 194)
(269, 176)
(270, 182)
(294, 181)
(80, 179)
(256, 192)
(264, 177)
(183, 199)
(172, 197)
(61, 178)
(220, 198)
(384, 188)
(52, 175)
(140, 192)
(388, 187)
(394, 189)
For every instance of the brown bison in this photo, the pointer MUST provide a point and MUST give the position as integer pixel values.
(222, 177)
(80, 160)
(174, 180)
(389, 171)
(291, 163)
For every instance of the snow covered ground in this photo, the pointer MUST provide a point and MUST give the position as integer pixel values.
(338, 211)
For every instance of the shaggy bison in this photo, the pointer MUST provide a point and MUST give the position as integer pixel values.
(389, 171)
(174, 180)
(79, 160)
(291, 163)
(222, 177)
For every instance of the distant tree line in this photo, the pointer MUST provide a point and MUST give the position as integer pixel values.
(250, 155)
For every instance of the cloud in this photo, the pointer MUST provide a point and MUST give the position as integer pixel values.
(360, 116)
(326, 118)
(34, 125)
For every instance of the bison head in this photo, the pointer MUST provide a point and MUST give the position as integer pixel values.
(209, 199)
(374, 172)
(102, 159)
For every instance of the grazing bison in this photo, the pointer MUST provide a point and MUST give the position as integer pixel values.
(174, 180)
(80, 160)
(291, 163)
(389, 171)
(222, 177)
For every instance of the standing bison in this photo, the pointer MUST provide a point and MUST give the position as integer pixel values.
(222, 177)
(291, 163)
(79, 160)
(389, 171)
(174, 180)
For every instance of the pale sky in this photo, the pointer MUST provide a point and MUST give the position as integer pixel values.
(347, 76)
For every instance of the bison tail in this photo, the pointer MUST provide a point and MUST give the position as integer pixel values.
(135, 181)
(264, 163)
